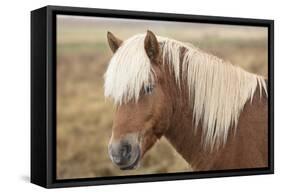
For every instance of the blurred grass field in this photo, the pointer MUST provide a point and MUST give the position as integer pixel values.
(84, 116)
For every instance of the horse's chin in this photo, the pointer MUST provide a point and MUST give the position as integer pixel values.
(133, 165)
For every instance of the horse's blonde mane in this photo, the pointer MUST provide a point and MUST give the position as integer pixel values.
(218, 90)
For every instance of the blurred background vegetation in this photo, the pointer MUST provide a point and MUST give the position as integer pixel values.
(84, 116)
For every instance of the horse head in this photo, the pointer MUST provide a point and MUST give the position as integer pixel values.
(134, 79)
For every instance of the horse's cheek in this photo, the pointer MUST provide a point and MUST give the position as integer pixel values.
(148, 141)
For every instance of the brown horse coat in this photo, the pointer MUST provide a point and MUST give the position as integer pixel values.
(158, 89)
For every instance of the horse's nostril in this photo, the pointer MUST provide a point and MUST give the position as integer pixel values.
(125, 151)
(120, 153)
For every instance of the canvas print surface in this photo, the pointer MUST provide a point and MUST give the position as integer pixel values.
(141, 97)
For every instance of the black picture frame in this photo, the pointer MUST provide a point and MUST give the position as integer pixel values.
(43, 95)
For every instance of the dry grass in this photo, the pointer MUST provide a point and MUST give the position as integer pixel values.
(84, 117)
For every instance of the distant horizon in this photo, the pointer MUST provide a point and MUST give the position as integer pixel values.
(117, 22)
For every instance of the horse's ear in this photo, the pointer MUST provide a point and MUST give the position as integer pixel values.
(151, 46)
(113, 42)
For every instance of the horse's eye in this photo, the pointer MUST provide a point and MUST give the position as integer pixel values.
(148, 89)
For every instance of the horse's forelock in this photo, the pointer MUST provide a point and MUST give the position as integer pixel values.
(128, 70)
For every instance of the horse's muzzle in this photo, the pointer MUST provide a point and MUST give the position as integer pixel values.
(124, 154)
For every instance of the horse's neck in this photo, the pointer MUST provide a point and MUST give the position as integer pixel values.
(181, 133)
(188, 144)
(183, 138)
